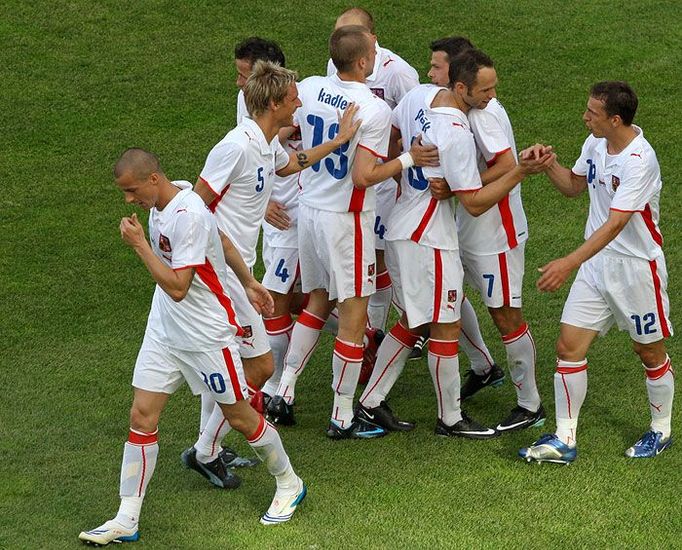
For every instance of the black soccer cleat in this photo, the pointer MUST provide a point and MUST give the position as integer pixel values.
(466, 427)
(520, 418)
(231, 459)
(358, 429)
(475, 382)
(417, 350)
(280, 412)
(383, 417)
(214, 471)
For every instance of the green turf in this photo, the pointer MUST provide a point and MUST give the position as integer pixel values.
(81, 81)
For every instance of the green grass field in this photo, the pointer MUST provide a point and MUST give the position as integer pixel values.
(81, 81)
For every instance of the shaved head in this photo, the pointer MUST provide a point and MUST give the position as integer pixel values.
(356, 16)
(140, 163)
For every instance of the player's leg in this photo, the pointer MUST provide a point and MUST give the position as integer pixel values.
(278, 327)
(380, 302)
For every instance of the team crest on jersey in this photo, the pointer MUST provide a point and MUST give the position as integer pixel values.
(615, 182)
(370, 270)
(247, 332)
(379, 92)
(452, 295)
(164, 244)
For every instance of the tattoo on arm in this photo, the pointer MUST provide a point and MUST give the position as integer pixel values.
(302, 159)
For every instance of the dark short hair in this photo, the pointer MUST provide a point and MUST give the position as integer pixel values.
(619, 99)
(348, 44)
(464, 68)
(254, 48)
(452, 45)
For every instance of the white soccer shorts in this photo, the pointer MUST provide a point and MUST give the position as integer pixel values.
(427, 282)
(282, 272)
(631, 292)
(385, 197)
(336, 252)
(498, 277)
(160, 368)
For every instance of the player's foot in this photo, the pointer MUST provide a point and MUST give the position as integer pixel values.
(383, 417)
(280, 412)
(475, 382)
(111, 531)
(215, 471)
(467, 427)
(369, 355)
(257, 402)
(266, 400)
(284, 504)
(359, 429)
(521, 418)
(649, 445)
(549, 448)
(231, 459)
(416, 352)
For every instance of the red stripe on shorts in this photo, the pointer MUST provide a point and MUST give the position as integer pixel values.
(659, 299)
(504, 276)
(438, 286)
(508, 221)
(357, 253)
(232, 372)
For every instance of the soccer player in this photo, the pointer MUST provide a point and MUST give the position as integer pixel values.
(423, 256)
(622, 276)
(336, 217)
(190, 336)
(392, 77)
(236, 183)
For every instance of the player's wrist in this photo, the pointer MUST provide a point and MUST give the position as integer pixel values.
(406, 160)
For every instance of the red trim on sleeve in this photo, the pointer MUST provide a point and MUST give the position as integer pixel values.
(232, 372)
(468, 190)
(361, 146)
(187, 267)
(493, 160)
(626, 211)
(504, 278)
(651, 226)
(426, 218)
(438, 284)
(659, 299)
(209, 186)
(508, 221)
(357, 254)
(214, 204)
(207, 274)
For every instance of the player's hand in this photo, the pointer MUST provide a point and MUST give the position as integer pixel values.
(439, 188)
(132, 232)
(554, 274)
(260, 298)
(347, 126)
(276, 215)
(424, 155)
(536, 159)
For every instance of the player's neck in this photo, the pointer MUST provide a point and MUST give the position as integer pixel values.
(353, 76)
(268, 125)
(620, 139)
(167, 192)
(447, 98)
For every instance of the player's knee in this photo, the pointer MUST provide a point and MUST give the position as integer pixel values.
(506, 319)
(143, 420)
(650, 355)
(565, 351)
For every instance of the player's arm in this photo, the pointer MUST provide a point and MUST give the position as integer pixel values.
(300, 160)
(565, 180)
(174, 283)
(555, 273)
(501, 164)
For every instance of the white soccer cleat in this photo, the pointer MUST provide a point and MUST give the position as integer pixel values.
(284, 504)
(111, 531)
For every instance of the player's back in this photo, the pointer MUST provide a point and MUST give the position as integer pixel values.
(327, 185)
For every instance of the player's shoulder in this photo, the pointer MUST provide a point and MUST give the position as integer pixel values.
(391, 62)
(640, 154)
(188, 207)
(449, 126)
(312, 83)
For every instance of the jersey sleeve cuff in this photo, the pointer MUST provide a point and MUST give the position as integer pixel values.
(624, 210)
(188, 266)
(379, 156)
(494, 158)
(209, 186)
(468, 190)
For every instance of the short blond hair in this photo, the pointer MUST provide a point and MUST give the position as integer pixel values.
(267, 82)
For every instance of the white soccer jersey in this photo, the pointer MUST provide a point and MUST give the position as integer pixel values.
(504, 226)
(627, 182)
(327, 185)
(417, 216)
(240, 170)
(184, 235)
(242, 112)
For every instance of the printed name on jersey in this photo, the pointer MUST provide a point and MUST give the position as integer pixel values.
(452, 295)
(615, 182)
(164, 244)
(335, 101)
(421, 119)
(379, 92)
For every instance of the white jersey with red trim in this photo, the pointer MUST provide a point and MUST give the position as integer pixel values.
(327, 185)
(242, 111)
(627, 182)
(417, 216)
(184, 235)
(503, 226)
(240, 170)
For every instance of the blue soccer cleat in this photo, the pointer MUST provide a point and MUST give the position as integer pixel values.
(649, 445)
(359, 429)
(284, 505)
(111, 531)
(549, 448)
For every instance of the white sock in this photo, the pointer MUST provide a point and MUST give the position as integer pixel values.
(472, 342)
(391, 357)
(331, 325)
(279, 334)
(660, 385)
(267, 445)
(444, 368)
(570, 389)
(521, 360)
(139, 460)
(304, 338)
(346, 365)
(207, 405)
(209, 443)
(380, 302)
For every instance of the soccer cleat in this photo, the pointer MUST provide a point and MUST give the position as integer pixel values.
(284, 505)
(369, 355)
(475, 382)
(649, 445)
(111, 531)
(257, 401)
(467, 427)
(383, 417)
(521, 418)
(215, 471)
(266, 400)
(416, 352)
(231, 459)
(280, 412)
(549, 448)
(359, 429)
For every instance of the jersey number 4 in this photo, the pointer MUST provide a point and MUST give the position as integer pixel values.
(337, 172)
(281, 271)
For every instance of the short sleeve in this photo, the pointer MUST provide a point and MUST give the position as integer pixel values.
(580, 167)
(224, 160)
(281, 157)
(395, 117)
(331, 69)
(636, 188)
(189, 240)
(404, 79)
(490, 137)
(375, 130)
(458, 161)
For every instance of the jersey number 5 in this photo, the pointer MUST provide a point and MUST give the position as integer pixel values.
(261, 182)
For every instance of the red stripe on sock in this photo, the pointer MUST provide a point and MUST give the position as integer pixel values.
(443, 348)
(260, 430)
(215, 437)
(144, 471)
(143, 438)
(348, 351)
(278, 325)
(403, 336)
(568, 396)
(309, 320)
(657, 372)
(513, 336)
(369, 392)
(383, 280)
(487, 358)
(570, 370)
